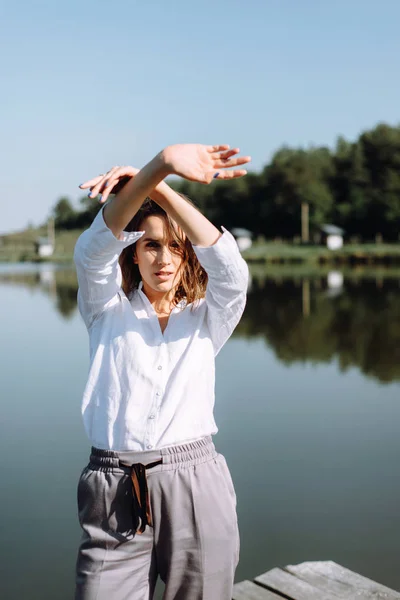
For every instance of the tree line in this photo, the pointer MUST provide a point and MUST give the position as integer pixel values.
(355, 186)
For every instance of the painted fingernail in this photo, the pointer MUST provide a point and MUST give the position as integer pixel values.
(100, 197)
(89, 194)
(216, 175)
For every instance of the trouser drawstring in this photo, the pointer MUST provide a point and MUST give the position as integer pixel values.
(141, 493)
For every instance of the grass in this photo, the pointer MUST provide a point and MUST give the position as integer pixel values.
(19, 247)
(273, 252)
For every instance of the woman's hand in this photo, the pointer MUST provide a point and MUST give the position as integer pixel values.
(195, 162)
(110, 183)
(198, 162)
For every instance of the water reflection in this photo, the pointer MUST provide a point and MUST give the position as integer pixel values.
(356, 322)
(57, 282)
(317, 318)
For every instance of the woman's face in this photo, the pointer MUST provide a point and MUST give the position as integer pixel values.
(157, 258)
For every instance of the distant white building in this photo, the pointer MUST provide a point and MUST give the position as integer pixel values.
(333, 236)
(242, 237)
(44, 247)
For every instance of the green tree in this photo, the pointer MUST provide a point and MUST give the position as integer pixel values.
(63, 213)
(381, 148)
(298, 179)
(356, 186)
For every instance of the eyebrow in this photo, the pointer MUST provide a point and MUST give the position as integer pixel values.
(150, 239)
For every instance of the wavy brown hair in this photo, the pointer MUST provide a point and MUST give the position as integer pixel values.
(193, 279)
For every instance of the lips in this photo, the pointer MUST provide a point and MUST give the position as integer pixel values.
(163, 275)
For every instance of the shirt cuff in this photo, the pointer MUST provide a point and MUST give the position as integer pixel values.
(102, 238)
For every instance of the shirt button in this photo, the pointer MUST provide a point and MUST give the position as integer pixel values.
(159, 367)
(152, 416)
(158, 394)
(149, 446)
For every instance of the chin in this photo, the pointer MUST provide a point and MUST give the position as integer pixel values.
(164, 285)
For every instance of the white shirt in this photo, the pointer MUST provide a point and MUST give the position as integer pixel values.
(147, 389)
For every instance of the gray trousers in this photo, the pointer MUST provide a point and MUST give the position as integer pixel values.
(175, 519)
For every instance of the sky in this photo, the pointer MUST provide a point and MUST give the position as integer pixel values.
(89, 84)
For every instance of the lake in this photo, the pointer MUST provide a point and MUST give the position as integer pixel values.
(307, 405)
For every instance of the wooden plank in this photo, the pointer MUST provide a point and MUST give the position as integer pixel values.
(293, 587)
(310, 573)
(328, 575)
(247, 590)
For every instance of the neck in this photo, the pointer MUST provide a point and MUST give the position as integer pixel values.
(160, 301)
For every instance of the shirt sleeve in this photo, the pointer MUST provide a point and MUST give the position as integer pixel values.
(96, 255)
(228, 276)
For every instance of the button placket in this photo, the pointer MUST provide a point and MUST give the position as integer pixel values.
(150, 429)
(154, 409)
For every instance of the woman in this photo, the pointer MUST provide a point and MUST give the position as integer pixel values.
(160, 291)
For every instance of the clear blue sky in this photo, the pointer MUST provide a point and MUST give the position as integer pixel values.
(91, 84)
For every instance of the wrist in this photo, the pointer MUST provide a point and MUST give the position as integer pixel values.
(159, 165)
(159, 192)
(167, 160)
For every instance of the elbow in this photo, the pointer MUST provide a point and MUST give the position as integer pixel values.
(242, 277)
(77, 256)
(80, 250)
(246, 274)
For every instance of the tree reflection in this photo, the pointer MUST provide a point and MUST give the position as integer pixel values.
(316, 318)
(60, 284)
(66, 302)
(359, 327)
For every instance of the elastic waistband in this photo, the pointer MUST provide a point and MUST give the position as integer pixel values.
(187, 454)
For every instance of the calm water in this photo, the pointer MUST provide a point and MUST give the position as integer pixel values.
(308, 406)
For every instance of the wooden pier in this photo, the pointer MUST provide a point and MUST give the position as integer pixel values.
(322, 580)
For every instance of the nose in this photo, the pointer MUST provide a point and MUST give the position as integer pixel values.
(164, 256)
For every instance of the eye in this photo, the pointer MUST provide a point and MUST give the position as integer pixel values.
(151, 244)
(175, 245)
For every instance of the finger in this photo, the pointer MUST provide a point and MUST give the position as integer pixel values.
(233, 162)
(218, 148)
(112, 184)
(106, 191)
(99, 185)
(103, 198)
(229, 153)
(233, 174)
(90, 182)
(116, 182)
(225, 154)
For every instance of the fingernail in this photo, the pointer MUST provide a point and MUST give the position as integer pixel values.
(106, 184)
(89, 194)
(100, 197)
(216, 175)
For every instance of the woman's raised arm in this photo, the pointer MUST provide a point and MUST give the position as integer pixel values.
(195, 162)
